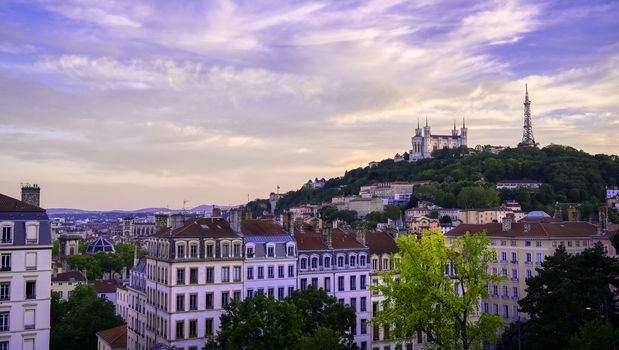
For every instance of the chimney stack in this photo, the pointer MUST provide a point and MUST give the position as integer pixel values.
(216, 212)
(361, 232)
(178, 220)
(161, 221)
(507, 222)
(31, 194)
(235, 219)
(327, 236)
(602, 220)
(558, 214)
(527, 227)
(136, 253)
(571, 214)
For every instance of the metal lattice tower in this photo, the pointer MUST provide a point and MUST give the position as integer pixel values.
(527, 133)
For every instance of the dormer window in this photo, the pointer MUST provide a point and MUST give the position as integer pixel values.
(290, 250)
(375, 264)
(353, 261)
(303, 263)
(314, 263)
(270, 251)
(237, 250)
(32, 232)
(250, 252)
(193, 251)
(225, 250)
(362, 260)
(327, 262)
(340, 261)
(210, 250)
(180, 251)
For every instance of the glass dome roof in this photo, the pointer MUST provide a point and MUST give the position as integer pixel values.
(100, 245)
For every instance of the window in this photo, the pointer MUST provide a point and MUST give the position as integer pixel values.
(193, 328)
(31, 289)
(237, 274)
(514, 257)
(193, 275)
(225, 274)
(362, 282)
(505, 291)
(180, 251)
(486, 308)
(193, 250)
(303, 284)
(208, 326)
(270, 251)
(385, 264)
(539, 258)
(527, 243)
(353, 282)
(180, 329)
(303, 263)
(225, 298)
(314, 263)
(505, 311)
(503, 243)
(210, 275)
(364, 326)
(538, 243)
(237, 250)
(528, 258)
(270, 292)
(225, 251)
(340, 301)
(180, 302)
(495, 309)
(315, 282)
(193, 301)
(515, 292)
(290, 250)
(7, 234)
(4, 345)
(374, 264)
(290, 270)
(280, 293)
(249, 252)
(503, 256)
(353, 303)
(374, 309)
(290, 290)
(210, 250)
(250, 293)
(514, 274)
(328, 284)
(5, 291)
(271, 271)
(327, 262)
(514, 243)
(363, 304)
(32, 233)
(6, 262)
(353, 261)
(340, 261)
(362, 260)
(4, 321)
(250, 273)
(209, 302)
(495, 290)
(31, 261)
(236, 296)
(340, 283)
(260, 272)
(529, 273)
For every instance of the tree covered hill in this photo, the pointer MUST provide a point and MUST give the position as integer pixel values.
(569, 176)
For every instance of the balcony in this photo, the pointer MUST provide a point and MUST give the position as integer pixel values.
(514, 279)
(514, 261)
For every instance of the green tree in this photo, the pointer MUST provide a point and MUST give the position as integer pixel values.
(323, 338)
(445, 219)
(56, 248)
(260, 322)
(478, 197)
(319, 309)
(421, 296)
(392, 212)
(80, 318)
(568, 291)
(328, 213)
(375, 216)
(595, 335)
(126, 251)
(347, 215)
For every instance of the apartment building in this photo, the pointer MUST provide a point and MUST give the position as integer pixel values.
(489, 215)
(270, 258)
(193, 269)
(383, 250)
(25, 273)
(64, 283)
(520, 249)
(338, 262)
(131, 305)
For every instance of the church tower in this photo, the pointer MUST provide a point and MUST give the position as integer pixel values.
(454, 132)
(527, 133)
(463, 134)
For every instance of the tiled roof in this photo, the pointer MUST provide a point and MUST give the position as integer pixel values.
(70, 276)
(10, 204)
(102, 286)
(261, 228)
(380, 243)
(540, 229)
(200, 228)
(116, 337)
(310, 240)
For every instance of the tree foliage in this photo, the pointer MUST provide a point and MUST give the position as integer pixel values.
(568, 291)
(421, 296)
(309, 319)
(75, 322)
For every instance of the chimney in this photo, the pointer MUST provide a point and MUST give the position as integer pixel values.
(235, 219)
(136, 254)
(507, 222)
(289, 222)
(161, 221)
(321, 225)
(571, 214)
(361, 232)
(527, 227)
(178, 220)
(31, 194)
(327, 236)
(248, 215)
(558, 214)
(216, 212)
(602, 220)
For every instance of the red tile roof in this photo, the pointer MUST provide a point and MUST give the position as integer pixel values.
(116, 337)
(261, 228)
(540, 229)
(198, 228)
(310, 240)
(9, 204)
(380, 243)
(102, 286)
(70, 276)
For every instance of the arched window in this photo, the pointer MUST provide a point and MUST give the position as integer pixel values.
(353, 261)
(314, 262)
(362, 260)
(303, 263)
(327, 262)
(340, 261)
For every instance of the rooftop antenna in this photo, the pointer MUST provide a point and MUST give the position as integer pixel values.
(185, 205)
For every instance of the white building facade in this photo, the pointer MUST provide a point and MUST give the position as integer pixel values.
(424, 144)
(25, 275)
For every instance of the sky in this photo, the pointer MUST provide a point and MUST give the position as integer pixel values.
(112, 104)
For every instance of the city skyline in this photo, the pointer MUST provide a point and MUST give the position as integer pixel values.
(144, 105)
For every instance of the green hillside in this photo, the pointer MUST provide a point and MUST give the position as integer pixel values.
(461, 179)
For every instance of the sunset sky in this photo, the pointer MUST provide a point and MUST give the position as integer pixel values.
(127, 104)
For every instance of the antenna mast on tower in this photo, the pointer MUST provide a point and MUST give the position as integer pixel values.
(527, 131)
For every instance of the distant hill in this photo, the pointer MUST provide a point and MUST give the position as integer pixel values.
(569, 176)
(71, 211)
